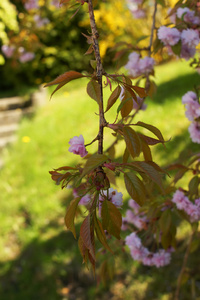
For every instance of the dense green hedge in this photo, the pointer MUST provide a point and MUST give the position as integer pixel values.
(58, 46)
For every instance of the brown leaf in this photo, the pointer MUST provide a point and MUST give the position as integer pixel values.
(113, 97)
(87, 236)
(135, 187)
(132, 141)
(70, 215)
(94, 91)
(111, 218)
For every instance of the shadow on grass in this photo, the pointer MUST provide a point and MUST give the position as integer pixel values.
(50, 269)
(175, 147)
(176, 87)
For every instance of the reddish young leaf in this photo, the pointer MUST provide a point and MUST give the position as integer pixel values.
(149, 140)
(140, 91)
(93, 90)
(135, 187)
(87, 236)
(93, 162)
(58, 177)
(146, 150)
(64, 79)
(111, 218)
(101, 234)
(126, 155)
(148, 169)
(132, 141)
(113, 97)
(86, 254)
(153, 129)
(70, 215)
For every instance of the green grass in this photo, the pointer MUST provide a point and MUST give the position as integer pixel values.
(38, 258)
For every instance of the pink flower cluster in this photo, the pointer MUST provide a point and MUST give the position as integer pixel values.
(134, 216)
(142, 254)
(189, 40)
(183, 203)
(77, 146)
(136, 105)
(135, 8)
(138, 66)
(188, 15)
(23, 57)
(192, 105)
(31, 4)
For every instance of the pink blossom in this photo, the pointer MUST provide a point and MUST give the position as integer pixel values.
(183, 203)
(142, 254)
(77, 146)
(31, 4)
(132, 204)
(8, 50)
(133, 240)
(113, 195)
(146, 65)
(194, 130)
(161, 258)
(187, 52)
(138, 13)
(124, 224)
(85, 199)
(134, 2)
(190, 37)
(26, 56)
(137, 66)
(169, 36)
(192, 105)
(189, 15)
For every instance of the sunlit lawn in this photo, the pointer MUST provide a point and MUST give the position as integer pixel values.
(38, 258)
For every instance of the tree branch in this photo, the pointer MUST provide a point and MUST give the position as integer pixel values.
(99, 73)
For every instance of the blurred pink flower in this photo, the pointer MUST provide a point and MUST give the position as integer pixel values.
(31, 4)
(26, 56)
(190, 37)
(194, 130)
(187, 15)
(192, 105)
(77, 146)
(169, 36)
(8, 50)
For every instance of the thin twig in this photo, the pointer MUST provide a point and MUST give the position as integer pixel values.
(99, 73)
(183, 266)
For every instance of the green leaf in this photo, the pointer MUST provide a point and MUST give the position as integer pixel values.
(135, 187)
(94, 91)
(70, 215)
(177, 48)
(93, 162)
(101, 234)
(194, 185)
(165, 221)
(132, 141)
(111, 219)
(161, 2)
(113, 97)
